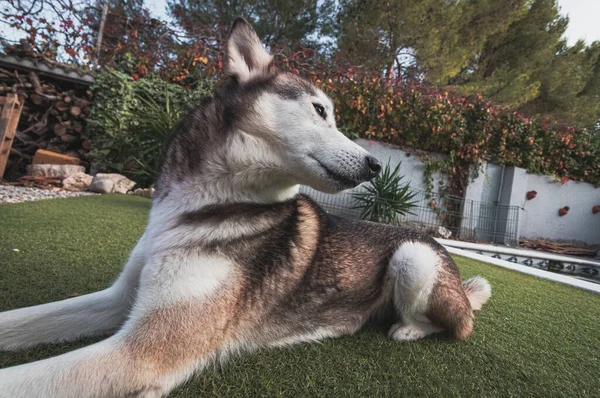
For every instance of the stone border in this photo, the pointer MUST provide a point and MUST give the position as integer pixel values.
(517, 252)
(538, 273)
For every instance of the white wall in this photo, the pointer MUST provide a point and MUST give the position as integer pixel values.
(412, 167)
(540, 219)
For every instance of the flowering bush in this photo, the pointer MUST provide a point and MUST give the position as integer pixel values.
(469, 130)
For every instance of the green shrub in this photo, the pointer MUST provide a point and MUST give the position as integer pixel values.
(131, 120)
(385, 197)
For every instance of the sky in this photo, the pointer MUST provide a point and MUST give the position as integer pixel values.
(584, 18)
(158, 8)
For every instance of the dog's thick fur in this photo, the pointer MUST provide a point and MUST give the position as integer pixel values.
(234, 259)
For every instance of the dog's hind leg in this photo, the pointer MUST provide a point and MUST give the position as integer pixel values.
(93, 314)
(428, 293)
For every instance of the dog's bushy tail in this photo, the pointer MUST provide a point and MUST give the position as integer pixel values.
(478, 291)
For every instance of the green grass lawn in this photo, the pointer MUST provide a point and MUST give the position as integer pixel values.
(534, 338)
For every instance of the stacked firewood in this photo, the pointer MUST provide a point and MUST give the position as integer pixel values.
(567, 248)
(53, 118)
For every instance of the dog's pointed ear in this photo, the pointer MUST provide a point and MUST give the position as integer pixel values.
(246, 56)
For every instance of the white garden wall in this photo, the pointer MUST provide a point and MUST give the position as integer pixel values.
(538, 218)
(412, 167)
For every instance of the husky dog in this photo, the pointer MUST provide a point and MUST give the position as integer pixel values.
(233, 258)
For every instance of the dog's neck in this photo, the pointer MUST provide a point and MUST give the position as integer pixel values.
(230, 178)
(194, 196)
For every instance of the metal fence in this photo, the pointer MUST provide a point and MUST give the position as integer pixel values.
(466, 219)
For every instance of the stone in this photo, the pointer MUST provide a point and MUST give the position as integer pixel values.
(77, 182)
(48, 157)
(121, 183)
(102, 185)
(54, 170)
(444, 232)
(145, 192)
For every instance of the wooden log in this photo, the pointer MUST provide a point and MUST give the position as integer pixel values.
(52, 148)
(69, 138)
(59, 129)
(72, 154)
(75, 111)
(35, 82)
(36, 99)
(47, 157)
(61, 106)
(82, 103)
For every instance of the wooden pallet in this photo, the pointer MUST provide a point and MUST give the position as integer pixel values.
(9, 118)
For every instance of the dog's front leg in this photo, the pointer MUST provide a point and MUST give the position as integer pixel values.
(67, 320)
(183, 315)
(133, 363)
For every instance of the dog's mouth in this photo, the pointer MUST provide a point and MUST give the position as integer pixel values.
(340, 178)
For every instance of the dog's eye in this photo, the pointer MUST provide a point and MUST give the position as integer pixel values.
(320, 110)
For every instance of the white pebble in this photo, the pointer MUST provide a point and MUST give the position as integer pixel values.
(12, 194)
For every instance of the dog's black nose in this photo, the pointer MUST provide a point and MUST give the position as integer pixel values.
(374, 165)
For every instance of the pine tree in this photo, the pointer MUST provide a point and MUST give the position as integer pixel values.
(431, 39)
(508, 68)
(277, 22)
(570, 86)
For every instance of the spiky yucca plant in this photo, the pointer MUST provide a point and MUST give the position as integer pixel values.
(385, 197)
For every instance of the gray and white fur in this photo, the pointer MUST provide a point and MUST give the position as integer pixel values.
(234, 259)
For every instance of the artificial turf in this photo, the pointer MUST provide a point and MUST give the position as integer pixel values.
(534, 338)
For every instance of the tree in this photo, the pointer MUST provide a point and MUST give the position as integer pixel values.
(434, 40)
(54, 30)
(512, 62)
(133, 41)
(384, 35)
(277, 22)
(570, 86)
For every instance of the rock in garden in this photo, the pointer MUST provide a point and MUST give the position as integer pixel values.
(121, 183)
(444, 232)
(145, 192)
(78, 182)
(54, 170)
(102, 185)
